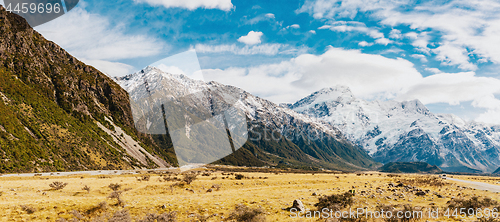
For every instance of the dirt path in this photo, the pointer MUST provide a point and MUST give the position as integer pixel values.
(478, 185)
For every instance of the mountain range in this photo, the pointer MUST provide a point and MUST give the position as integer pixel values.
(59, 114)
(276, 135)
(406, 131)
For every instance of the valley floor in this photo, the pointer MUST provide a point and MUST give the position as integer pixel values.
(216, 194)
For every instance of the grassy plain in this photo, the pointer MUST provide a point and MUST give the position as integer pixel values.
(264, 194)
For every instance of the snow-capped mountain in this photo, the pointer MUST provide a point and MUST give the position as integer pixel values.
(275, 130)
(406, 131)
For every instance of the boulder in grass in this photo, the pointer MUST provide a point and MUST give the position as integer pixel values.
(297, 204)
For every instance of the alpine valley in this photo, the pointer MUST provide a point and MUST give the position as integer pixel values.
(278, 136)
(59, 114)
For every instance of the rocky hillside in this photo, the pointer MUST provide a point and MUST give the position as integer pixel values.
(59, 114)
(277, 136)
(406, 131)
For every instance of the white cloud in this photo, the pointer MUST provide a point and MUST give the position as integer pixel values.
(395, 34)
(433, 70)
(295, 26)
(312, 31)
(490, 116)
(464, 27)
(264, 49)
(451, 54)
(350, 26)
(262, 17)
(186, 63)
(369, 76)
(91, 38)
(420, 56)
(383, 41)
(343, 26)
(420, 41)
(270, 15)
(225, 5)
(364, 44)
(170, 69)
(110, 68)
(251, 38)
(455, 88)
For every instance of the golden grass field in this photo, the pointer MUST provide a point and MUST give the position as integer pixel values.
(32, 199)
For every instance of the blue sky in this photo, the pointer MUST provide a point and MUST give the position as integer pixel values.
(444, 53)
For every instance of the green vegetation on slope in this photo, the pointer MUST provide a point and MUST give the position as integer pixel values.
(409, 167)
(50, 104)
(299, 153)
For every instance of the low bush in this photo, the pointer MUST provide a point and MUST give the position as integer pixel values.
(335, 201)
(28, 209)
(144, 178)
(472, 203)
(117, 196)
(424, 181)
(114, 186)
(86, 188)
(58, 185)
(188, 178)
(165, 217)
(239, 176)
(121, 216)
(245, 214)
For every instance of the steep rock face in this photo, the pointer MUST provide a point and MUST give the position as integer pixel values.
(406, 131)
(52, 103)
(280, 134)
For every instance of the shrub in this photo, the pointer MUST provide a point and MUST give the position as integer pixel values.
(246, 214)
(472, 203)
(86, 188)
(114, 186)
(117, 196)
(58, 185)
(121, 216)
(189, 177)
(28, 209)
(144, 178)
(335, 201)
(165, 217)
(102, 206)
(239, 176)
(424, 181)
(77, 214)
(204, 218)
(168, 178)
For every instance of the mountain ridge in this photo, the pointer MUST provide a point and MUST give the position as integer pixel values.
(406, 131)
(293, 147)
(59, 114)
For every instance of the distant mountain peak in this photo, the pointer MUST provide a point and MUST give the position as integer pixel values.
(336, 94)
(415, 105)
